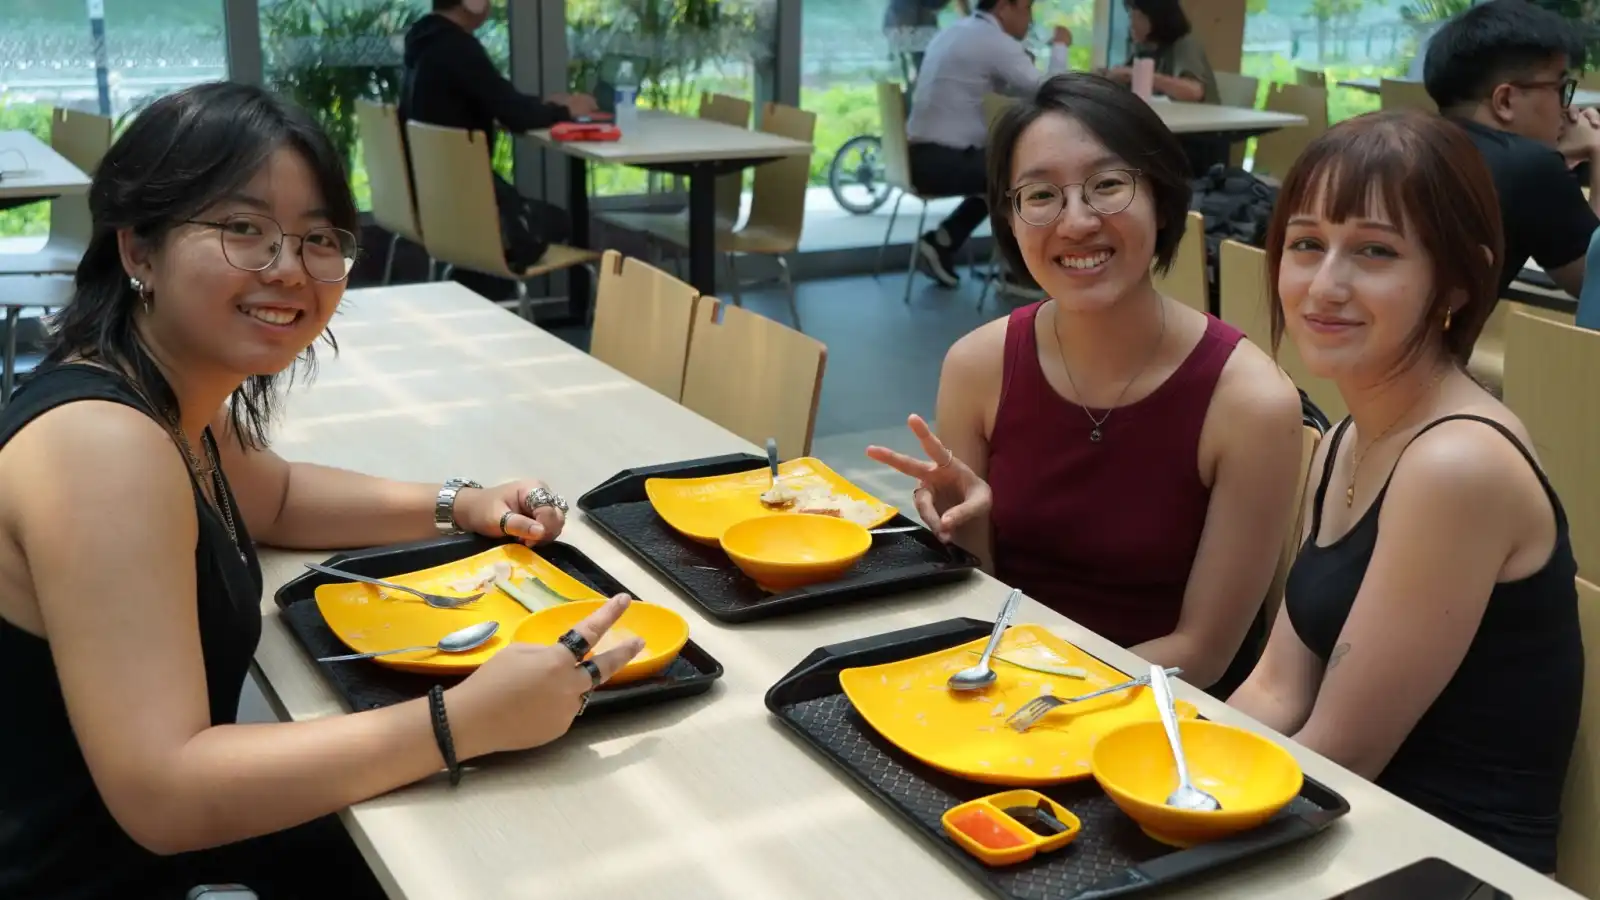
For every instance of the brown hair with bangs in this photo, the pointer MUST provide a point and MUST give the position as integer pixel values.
(1429, 178)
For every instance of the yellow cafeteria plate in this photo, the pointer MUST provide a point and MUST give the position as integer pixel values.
(367, 618)
(966, 734)
(703, 508)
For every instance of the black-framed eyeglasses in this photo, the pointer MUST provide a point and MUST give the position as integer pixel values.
(1567, 88)
(1107, 193)
(253, 242)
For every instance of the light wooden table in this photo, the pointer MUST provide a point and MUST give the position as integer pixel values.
(30, 169)
(702, 798)
(1581, 99)
(1236, 122)
(681, 145)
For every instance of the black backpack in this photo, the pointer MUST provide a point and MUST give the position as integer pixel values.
(1237, 207)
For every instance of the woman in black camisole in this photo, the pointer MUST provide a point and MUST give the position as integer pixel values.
(135, 478)
(1429, 636)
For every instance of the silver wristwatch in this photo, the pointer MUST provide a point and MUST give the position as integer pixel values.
(444, 507)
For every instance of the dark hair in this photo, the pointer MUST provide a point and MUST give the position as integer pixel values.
(1120, 120)
(1492, 43)
(1167, 19)
(987, 5)
(180, 155)
(1426, 172)
(445, 5)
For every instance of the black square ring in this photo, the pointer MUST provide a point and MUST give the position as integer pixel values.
(593, 669)
(575, 642)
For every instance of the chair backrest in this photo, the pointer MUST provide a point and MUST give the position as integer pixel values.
(1590, 81)
(753, 376)
(1277, 151)
(896, 146)
(1234, 89)
(1242, 284)
(393, 206)
(778, 189)
(1578, 866)
(733, 111)
(1311, 78)
(1396, 93)
(82, 139)
(1310, 437)
(1187, 281)
(1589, 297)
(455, 198)
(1550, 371)
(642, 319)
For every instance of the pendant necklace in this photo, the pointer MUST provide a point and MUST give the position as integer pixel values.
(1357, 454)
(1095, 433)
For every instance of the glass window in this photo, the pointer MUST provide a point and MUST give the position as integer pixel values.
(682, 48)
(49, 56)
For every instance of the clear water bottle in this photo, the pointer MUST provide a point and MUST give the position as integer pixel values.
(625, 91)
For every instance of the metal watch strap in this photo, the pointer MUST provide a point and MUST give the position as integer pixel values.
(444, 506)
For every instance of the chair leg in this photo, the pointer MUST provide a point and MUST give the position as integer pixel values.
(388, 263)
(444, 273)
(894, 212)
(594, 294)
(989, 277)
(911, 267)
(788, 285)
(733, 279)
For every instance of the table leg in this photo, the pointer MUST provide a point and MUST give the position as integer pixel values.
(9, 377)
(578, 287)
(703, 229)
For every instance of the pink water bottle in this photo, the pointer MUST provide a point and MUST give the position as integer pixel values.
(1144, 76)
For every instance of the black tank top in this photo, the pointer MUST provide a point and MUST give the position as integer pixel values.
(1489, 757)
(57, 839)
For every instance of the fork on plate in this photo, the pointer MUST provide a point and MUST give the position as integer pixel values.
(438, 601)
(1031, 712)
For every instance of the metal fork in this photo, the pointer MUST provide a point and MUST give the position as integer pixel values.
(1034, 710)
(437, 601)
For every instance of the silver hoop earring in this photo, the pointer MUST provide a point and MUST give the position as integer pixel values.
(142, 290)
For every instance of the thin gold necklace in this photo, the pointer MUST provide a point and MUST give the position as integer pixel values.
(1095, 434)
(1357, 455)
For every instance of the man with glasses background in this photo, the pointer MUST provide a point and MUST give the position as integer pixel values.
(1503, 69)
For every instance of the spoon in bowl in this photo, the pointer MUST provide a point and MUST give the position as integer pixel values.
(980, 676)
(459, 641)
(1187, 796)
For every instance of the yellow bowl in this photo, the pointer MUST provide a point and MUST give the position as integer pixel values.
(1251, 777)
(784, 551)
(664, 632)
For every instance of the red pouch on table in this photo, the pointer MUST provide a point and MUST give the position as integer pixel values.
(585, 131)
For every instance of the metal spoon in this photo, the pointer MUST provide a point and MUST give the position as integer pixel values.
(980, 676)
(772, 459)
(460, 641)
(1187, 796)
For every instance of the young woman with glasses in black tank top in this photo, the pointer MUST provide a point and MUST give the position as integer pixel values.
(1428, 638)
(135, 479)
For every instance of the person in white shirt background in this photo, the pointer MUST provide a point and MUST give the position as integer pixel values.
(947, 128)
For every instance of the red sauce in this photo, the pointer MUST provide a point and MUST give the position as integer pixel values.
(984, 828)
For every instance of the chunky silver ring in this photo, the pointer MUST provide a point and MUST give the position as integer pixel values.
(505, 517)
(542, 496)
(593, 668)
(576, 643)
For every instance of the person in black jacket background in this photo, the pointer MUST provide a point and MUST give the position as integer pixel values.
(450, 81)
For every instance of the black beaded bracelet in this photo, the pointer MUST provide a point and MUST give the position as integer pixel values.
(441, 733)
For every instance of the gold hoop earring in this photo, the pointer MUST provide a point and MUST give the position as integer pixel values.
(1447, 312)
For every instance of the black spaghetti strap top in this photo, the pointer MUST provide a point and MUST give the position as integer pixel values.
(57, 839)
(1489, 757)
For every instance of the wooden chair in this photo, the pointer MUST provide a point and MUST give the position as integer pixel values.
(642, 321)
(1589, 81)
(753, 376)
(1242, 282)
(456, 206)
(1234, 89)
(82, 139)
(1311, 78)
(897, 174)
(1277, 151)
(394, 208)
(1310, 437)
(1550, 371)
(1488, 362)
(1395, 93)
(1578, 866)
(1187, 280)
(673, 228)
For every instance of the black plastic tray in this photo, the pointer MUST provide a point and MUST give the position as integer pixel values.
(1111, 857)
(363, 684)
(896, 562)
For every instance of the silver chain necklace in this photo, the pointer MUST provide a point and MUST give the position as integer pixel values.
(1095, 433)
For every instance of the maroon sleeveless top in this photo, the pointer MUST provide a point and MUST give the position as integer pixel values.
(1104, 533)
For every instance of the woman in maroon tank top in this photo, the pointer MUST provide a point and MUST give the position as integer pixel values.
(1123, 459)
